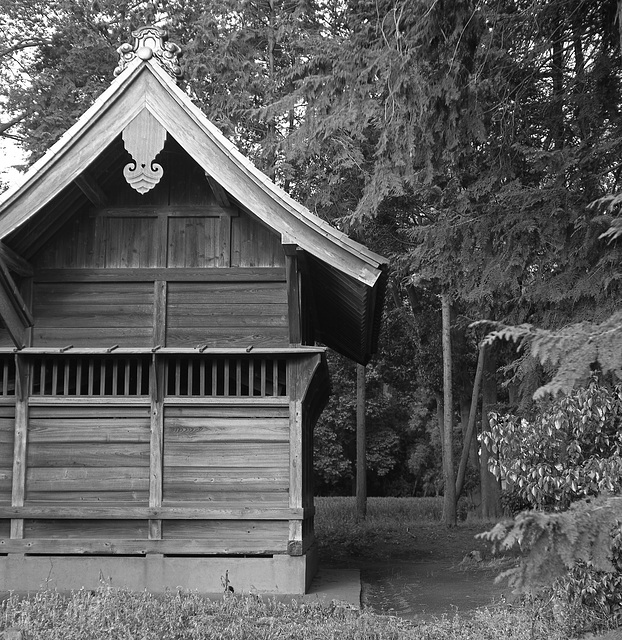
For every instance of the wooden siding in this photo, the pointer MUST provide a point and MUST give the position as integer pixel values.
(230, 536)
(84, 529)
(238, 455)
(88, 454)
(86, 314)
(233, 314)
(148, 237)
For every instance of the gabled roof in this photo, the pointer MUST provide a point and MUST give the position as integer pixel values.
(348, 280)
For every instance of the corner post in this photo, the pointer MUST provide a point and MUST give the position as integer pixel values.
(20, 443)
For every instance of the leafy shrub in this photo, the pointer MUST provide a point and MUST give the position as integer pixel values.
(570, 454)
(572, 450)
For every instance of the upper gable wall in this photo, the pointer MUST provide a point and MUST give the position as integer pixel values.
(177, 224)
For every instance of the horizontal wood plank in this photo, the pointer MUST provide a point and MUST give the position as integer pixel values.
(131, 511)
(202, 430)
(88, 498)
(88, 430)
(98, 294)
(103, 335)
(85, 528)
(173, 547)
(220, 336)
(245, 408)
(202, 317)
(226, 293)
(256, 274)
(53, 455)
(89, 315)
(220, 454)
(86, 479)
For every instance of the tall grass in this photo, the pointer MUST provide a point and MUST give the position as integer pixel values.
(113, 614)
(389, 521)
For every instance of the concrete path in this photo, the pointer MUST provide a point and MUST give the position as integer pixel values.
(342, 585)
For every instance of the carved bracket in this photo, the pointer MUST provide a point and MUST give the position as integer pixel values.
(143, 138)
(151, 42)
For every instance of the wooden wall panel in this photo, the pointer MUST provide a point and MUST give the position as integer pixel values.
(231, 536)
(196, 242)
(254, 245)
(95, 529)
(73, 245)
(131, 242)
(88, 454)
(238, 460)
(93, 314)
(7, 435)
(227, 314)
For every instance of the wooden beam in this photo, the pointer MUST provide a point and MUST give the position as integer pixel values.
(219, 193)
(131, 512)
(13, 309)
(15, 262)
(89, 546)
(89, 187)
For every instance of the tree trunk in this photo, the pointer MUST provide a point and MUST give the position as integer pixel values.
(361, 456)
(490, 492)
(449, 501)
(468, 436)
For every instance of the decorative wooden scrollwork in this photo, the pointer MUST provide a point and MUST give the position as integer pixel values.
(151, 42)
(144, 138)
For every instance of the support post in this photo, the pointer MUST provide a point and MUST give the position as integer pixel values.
(156, 392)
(361, 451)
(18, 492)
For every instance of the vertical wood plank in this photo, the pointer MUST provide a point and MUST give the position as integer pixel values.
(18, 491)
(224, 241)
(160, 294)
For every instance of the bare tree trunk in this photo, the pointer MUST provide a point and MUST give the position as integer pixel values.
(449, 501)
(491, 507)
(361, 456)
(468, 436)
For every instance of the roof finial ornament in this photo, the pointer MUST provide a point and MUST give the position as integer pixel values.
(151, 42)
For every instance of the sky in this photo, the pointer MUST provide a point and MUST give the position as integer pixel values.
(10, 155)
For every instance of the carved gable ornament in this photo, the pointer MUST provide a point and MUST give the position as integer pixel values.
(144, 137)
(151, 42)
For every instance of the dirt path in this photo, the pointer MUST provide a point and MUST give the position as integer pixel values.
(423, 589)
(426, 572)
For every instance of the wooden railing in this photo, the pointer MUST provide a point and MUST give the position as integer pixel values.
(90, 376)
(221, 376)
(111, 375)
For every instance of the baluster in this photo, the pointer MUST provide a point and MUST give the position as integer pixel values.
(263, 377)
(54, 376)
(177, 376)
(226, 377)
(79, 377)
(190, 377)
(202, 390)
(214, 377)
(66, 378)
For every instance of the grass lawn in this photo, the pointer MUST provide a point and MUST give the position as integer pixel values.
(396, 528)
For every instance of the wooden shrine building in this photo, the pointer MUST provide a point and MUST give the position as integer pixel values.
(160, 302)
